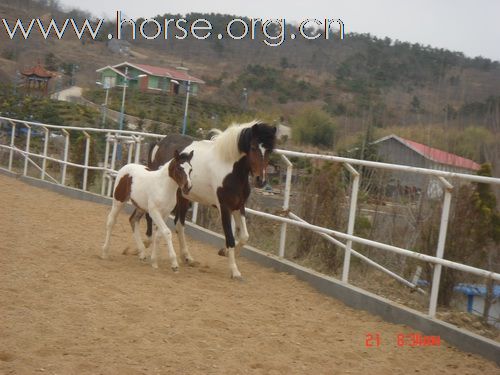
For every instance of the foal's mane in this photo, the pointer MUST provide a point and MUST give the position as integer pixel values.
(226, 142)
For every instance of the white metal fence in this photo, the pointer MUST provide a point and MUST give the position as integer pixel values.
(118, 143)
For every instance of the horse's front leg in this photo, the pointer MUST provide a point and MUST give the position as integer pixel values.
(163, 228)
(186, 255)
(240, 228)
(240, 231)
(230, 244)
(154, 252)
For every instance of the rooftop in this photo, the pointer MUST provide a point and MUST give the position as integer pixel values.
(173, 73)
(434, 154)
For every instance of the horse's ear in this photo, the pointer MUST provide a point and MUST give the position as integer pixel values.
(274, 130)
(190, 156)
(176, 155)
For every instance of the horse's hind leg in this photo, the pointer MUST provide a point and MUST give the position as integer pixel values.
(162, 227)
(149, 230)
(180, 219)
(134, 223)
(115, 209)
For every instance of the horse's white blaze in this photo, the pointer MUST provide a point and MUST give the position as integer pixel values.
(262, 149)
(186, 167)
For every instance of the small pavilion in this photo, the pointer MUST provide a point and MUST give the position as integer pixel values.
(37, 79)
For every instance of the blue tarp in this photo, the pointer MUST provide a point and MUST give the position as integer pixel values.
(476, 290)
(468, 289)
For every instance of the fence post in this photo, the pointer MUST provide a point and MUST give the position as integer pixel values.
(351, 222)
(105, 164)
(286, 204)
(86, 162)
(45, 147)
(138, 141)
(27, 149)
(436, 277)
(130, 152)
(113, 161)
(12, 140)
(194, 216)
(65, 156)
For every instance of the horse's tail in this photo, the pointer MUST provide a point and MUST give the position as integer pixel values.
(215, 132)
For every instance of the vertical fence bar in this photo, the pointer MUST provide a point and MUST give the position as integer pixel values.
(286, 204)
(12, 140)
(138, 141)
(194, 217)
(113, 161)
(105, 165)
(86, 162)
(436, 277)
(130, 152)
(27, 149)
(65, 156)
(45, 148)
(351, 222)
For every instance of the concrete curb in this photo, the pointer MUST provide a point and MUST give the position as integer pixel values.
(350, 295)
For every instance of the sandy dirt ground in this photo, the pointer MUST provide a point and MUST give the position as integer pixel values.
(63, 310)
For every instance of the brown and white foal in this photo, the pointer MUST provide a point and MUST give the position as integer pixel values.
(153, 192)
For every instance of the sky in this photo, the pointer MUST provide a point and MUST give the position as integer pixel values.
(471, 27)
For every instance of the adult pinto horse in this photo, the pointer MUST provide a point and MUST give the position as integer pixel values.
(221, 167)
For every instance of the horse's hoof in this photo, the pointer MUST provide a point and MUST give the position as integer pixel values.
(237, 277)
(222, 252)
(175, 269)
(192, 262)
(127, 251)
(154, 265)
(104, 256)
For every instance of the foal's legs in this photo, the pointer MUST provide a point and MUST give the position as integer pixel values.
(154, 252)
(115, 209)
(180, 219)
(186, 255)
(134, 221)
(162, 227)
(149, 230)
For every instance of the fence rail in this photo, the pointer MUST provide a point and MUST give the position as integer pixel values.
(116, 141)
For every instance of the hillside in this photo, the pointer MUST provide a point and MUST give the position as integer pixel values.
(359, 82)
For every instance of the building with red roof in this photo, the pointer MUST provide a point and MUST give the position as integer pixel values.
(396, 150)
(37, 79)
(150, 78)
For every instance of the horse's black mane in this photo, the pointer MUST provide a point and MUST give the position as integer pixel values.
(264, 133)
